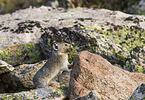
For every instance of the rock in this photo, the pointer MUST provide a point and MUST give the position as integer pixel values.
(92, 72)
(93, 95)
(25, 73)
(4, 67)
(47, 93)
(23, 40)
(114, 35)
(137, 8)
(21, 53)
(20, 78)
(18, 27)
(139, 93)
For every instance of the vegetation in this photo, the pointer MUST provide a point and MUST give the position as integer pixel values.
(20, 53)
(11, 5)
(126, 43)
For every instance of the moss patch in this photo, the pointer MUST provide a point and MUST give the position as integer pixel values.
(125, 43)
(21, 53)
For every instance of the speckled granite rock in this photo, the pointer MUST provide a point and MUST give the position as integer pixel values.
(92, 72)
(47, 93)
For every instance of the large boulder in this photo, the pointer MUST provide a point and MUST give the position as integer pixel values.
(92, 72)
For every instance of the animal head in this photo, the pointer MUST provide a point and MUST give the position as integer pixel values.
(62, 47)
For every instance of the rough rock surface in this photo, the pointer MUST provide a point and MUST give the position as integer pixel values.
(4, 67)
(21, 22)
(139, 93)
(93, 95)
(92, 72)
(47, 93)
(117, 36)
(13, 25)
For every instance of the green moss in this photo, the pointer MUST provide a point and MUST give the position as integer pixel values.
(20, 53)
(120, 56)
(59, 91)
(29, 46)
(22, 96)
(119, 42)
(8, 97)
(139, 69)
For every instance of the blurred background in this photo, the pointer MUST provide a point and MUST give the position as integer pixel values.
(129, 6)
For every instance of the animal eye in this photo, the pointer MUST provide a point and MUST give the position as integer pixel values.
(55, 46)
(66, 45)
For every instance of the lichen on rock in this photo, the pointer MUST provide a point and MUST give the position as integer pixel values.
(21, 53)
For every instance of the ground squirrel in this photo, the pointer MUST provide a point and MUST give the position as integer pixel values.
(56, 63)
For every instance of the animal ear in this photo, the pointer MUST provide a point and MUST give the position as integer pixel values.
(55, 46)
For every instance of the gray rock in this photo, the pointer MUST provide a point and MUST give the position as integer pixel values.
(14, 31)
(139, 93)
(4, 67)
(18, 28)
(137, 8)
(47, 93)
(20, 78)
(93, 95)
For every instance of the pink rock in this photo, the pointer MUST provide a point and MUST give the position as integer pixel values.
(93, 72)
